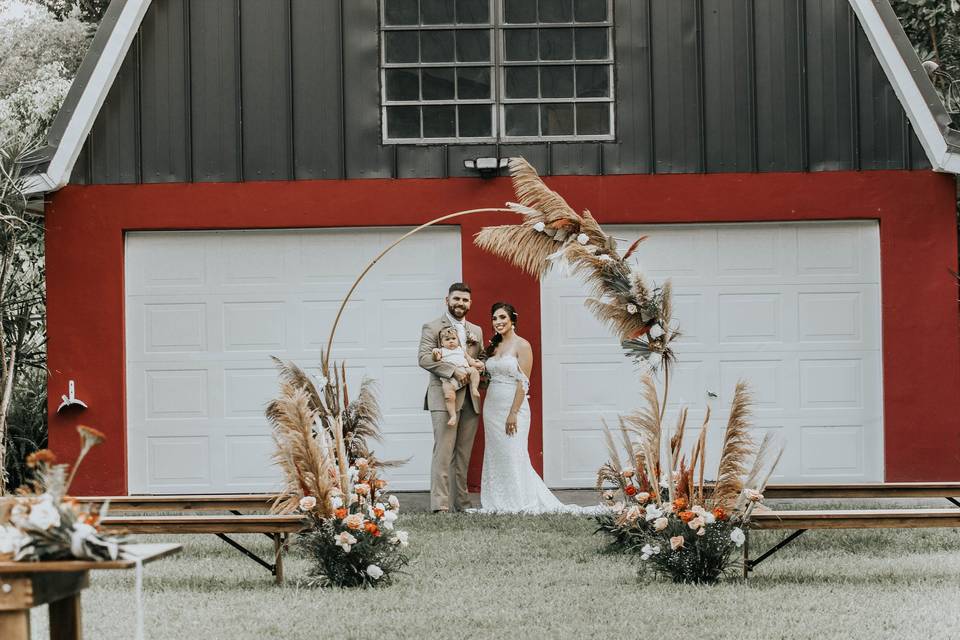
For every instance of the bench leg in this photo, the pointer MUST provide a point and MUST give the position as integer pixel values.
(748, 565)
(954, 501)
(65, 619)
(746, 553)
(278, 544)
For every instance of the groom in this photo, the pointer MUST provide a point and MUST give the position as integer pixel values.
(451, 445)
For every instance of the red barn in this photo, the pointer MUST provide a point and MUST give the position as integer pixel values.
(221, 171)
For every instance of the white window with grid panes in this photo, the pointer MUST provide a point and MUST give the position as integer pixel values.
(496, 70)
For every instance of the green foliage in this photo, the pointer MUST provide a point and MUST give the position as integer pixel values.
(88, 10)
(933, 27)
(26, 425)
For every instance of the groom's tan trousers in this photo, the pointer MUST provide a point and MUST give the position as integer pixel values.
(451, 456)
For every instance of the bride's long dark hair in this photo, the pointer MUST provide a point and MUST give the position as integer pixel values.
(497, 338)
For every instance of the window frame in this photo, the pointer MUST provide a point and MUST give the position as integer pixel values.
(497, 64)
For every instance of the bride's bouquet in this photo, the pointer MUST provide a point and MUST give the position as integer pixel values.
(331, 476)
(662, 509)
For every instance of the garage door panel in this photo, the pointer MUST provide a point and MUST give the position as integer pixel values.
(255, 326)
(770, 303)
(200, 337)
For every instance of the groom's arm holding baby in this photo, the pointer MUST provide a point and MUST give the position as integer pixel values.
(428, 342)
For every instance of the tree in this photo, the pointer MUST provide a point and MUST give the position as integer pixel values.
(22, 335)
(933, 27)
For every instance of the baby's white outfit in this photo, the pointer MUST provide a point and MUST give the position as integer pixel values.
(457, 357)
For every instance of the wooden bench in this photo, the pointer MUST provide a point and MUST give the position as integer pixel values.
(865, 491)
(277, 527)
(802, 521)
(234, 503)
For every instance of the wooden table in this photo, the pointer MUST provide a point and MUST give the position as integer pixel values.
(24, 585)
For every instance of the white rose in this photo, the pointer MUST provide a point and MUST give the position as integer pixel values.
(696, 523)
(401, 538)
(336, 502)
(652, 512)
(650, 550)
(539, 227)
(645, 556)
(632, 308)
(738, 537)
(394, 502)
(389, 518)
(709, 518)
(656, 331)
(702, 531)
(44, 515)
(374, 571)
(583, 238)
(345, 540)
(660, 524)
(307, 503)
(10, 540)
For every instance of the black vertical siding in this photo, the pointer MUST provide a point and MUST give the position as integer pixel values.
(677, 110)
(115, 138)
(365, 156)
(633, 150)
(317, 107)
(779, 81)
(882, 120)
(728, 85)
(830, 96)
(215, 91)
(230, 90)
(266, 102)
(165, 103)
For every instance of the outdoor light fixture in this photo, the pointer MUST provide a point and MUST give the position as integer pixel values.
(488, 167)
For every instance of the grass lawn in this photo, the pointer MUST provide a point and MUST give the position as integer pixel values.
(478, 576)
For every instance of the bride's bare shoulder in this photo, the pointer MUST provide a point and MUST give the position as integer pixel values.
(524, 345)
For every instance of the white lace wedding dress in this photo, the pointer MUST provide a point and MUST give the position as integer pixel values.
(509, 483)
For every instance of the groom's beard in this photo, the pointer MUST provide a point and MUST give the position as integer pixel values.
(458, 313)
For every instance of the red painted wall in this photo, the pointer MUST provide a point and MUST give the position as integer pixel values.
(921, 336)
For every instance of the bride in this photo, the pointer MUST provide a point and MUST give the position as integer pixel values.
(509, 482)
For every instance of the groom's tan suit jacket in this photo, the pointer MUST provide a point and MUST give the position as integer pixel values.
(430, 340)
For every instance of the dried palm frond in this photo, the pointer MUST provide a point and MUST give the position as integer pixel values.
(737, 447)
(677, 440)
(611, 448)
(361, 421)
(519, 245)
(533, 193)
(666, 303)
(306, 467)
(607, 474)
(645, 422)
(633, 247)
(292, 374)
(702, 450)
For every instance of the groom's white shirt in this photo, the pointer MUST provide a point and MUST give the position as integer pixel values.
(461, 328)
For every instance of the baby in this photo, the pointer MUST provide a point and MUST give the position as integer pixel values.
(451, 351)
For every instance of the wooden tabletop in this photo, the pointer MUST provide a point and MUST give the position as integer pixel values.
(145, 552)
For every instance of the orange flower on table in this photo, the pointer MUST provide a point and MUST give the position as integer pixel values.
(630, 490)
(687, 516)
(719, 513)
(354, 521)
(679, 504)
(340, 513)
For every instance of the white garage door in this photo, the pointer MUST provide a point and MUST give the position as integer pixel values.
(792, 308)
(206, 310)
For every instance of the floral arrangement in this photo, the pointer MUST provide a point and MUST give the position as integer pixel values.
(552, 233)
(41, 522)
(332, 476)
(661, 507)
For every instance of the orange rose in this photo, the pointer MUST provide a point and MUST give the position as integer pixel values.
(354, 521)
(719, 513)
(687, 516)
(679, 504)
(630, 490)
(340, 513)
(378, 512)
(372, 529)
